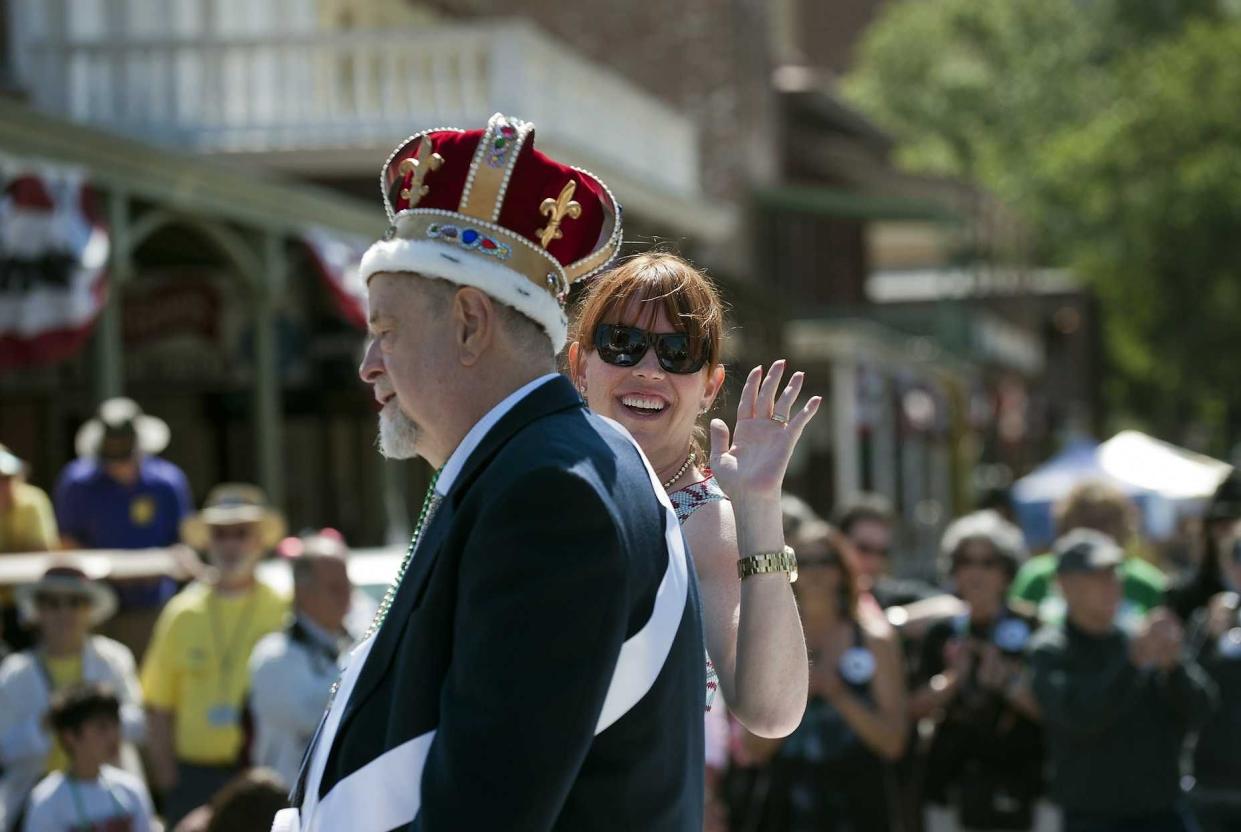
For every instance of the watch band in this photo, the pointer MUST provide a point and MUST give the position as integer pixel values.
(783, 561)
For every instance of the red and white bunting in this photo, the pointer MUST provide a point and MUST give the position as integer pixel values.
(337, 257)
(53, 259)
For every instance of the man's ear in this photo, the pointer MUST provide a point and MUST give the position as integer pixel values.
(473, 324)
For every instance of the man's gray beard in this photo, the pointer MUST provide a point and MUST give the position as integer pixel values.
(397, 433)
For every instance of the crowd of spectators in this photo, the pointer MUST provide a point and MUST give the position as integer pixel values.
(1077, 689)
(1072, 690)
(207, 732)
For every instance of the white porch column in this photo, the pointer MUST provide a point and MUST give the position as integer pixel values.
(108, 352)
(268, 434)
(844, 429)
(883, 459)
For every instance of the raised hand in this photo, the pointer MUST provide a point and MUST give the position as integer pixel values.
(994, 671)
(751, 463)
(1168, 637)
(1222, 613)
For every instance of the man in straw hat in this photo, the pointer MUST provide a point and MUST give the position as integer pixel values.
(119, 494)
(65, 605)
(537, 663)
(194, 674)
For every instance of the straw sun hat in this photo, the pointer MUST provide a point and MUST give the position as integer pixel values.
(69, 577)
(231, 504)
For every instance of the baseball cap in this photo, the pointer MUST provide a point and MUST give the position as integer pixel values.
(1086, 550)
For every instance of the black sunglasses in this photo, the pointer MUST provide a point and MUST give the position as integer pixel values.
(239, 531)
(962, 562)
(50, 601)
(871, 549)
(624, 346)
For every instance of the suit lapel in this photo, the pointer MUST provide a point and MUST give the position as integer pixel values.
(389, 634)
(557, 394)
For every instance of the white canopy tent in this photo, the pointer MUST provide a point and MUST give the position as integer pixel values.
(1165, 482)
(1153, 465)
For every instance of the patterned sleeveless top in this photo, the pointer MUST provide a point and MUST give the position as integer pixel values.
(686, 501)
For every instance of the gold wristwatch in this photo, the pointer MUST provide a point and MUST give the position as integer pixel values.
(783, 561)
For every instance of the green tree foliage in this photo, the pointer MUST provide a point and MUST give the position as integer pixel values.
(1146, 197)
(1115, 127)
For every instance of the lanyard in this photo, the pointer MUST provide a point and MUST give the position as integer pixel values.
(85, 822)
(325, 658)
(225, 651)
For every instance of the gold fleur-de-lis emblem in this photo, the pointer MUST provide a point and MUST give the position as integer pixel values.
(557, 209)
(420, 164)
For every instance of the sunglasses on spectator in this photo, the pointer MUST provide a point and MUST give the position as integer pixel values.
(238, 532)
(624, 346)
(871, 549)
(979, 563)
(48, 601)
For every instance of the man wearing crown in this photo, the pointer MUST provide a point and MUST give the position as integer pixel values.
(537, 664)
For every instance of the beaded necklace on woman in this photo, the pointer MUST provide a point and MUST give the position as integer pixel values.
(689, 460)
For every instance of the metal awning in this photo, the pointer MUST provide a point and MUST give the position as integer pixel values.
(185, 183)
(859, 339)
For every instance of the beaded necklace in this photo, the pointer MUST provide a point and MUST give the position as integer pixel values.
(689, 460)
(429, 502)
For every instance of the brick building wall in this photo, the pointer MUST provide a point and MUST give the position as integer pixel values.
(707, 58)
(828, 34)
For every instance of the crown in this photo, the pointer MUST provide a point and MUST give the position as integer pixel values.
(485, 208)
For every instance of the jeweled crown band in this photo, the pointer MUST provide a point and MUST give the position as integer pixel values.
(484, 240)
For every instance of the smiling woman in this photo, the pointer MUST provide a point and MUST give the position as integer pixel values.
(658, 301)
(645, 350)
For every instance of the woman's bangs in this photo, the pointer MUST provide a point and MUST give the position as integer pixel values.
(633, 294)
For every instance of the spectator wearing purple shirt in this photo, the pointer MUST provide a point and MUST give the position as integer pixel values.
(118, 494)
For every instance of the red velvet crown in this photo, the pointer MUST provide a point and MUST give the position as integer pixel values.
(491, 193)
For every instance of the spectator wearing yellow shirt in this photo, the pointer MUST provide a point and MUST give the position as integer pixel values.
(65, 604)
(27, 523)
(194, 676)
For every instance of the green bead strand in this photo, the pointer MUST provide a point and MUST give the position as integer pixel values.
(428, 503)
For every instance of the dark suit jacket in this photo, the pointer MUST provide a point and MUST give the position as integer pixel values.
(528, 677)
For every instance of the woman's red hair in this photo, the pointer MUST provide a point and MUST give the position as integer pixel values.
(688, 297)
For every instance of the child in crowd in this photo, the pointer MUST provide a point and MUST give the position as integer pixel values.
(89, 795)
